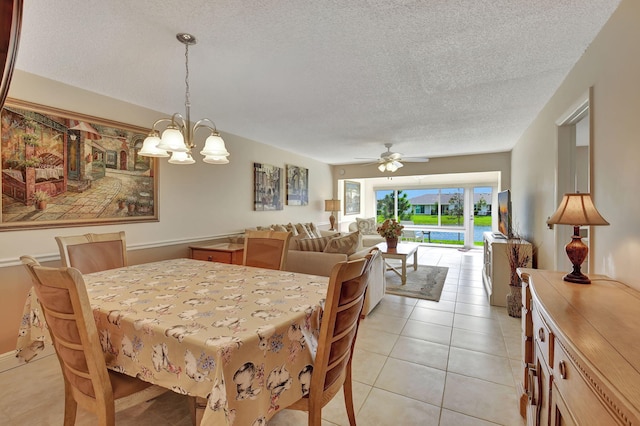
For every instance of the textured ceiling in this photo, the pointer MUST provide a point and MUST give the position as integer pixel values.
(332, 80)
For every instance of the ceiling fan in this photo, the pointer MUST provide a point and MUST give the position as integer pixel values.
(392, 161)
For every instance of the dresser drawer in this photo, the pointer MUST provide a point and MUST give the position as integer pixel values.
(543, 336)
(586, 408)
(211, 256)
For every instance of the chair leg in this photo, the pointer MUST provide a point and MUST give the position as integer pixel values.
(348, 396)
(197, 406)
(70, 406)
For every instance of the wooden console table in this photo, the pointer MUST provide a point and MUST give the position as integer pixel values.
(581, 351)
(223, 253)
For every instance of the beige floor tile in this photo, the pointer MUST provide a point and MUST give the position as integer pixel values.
(474, 310)
(481, 342)
(448, 296)
(432, 316)
(393, 309)
(476, 291)
(479, 324)
(480, 365)
(442, 305)
(421, 352)
(382, 322)
(482, 399)
(473, 299)
(366, 366)
(335, 411)
(451, 418)
(425, 331)
(386, 408)
(415, 381)
(376, 341)
(403, 300)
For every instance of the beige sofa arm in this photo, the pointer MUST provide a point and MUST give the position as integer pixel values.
(313, 262)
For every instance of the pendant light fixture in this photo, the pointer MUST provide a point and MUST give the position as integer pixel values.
(177, 138)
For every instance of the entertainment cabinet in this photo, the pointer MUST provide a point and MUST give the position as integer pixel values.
(496, 272)
(581, 352)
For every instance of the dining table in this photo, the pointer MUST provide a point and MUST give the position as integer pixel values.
(241, 337)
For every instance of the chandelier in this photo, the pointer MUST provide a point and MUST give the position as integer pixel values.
(177, 138)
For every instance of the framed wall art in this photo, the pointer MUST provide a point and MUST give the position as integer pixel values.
(351, 197)
(297, 186)
(61, 168)
(267, 187)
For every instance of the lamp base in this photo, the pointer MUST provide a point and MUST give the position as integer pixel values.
(578, 278)
(332, 221)
(577, 252)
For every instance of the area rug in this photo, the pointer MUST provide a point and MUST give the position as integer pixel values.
(425, 283)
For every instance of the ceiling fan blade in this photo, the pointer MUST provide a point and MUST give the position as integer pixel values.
(415, 159)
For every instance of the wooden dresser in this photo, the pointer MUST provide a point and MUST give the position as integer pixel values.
(581, 351)
(223, 253)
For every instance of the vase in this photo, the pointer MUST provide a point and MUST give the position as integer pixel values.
(514, 301)
(392, 243)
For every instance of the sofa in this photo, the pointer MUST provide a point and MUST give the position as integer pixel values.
(368, 231)
(302, 260)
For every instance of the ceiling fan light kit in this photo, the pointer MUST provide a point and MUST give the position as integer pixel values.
(392, 161)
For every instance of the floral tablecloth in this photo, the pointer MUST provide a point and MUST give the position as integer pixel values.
(242, 337)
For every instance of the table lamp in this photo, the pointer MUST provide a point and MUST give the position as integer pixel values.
(577, 210)
(332, 206)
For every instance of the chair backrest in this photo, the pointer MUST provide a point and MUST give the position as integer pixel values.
(339, 327)
(266, 249)
(67, 311)
(93, 252)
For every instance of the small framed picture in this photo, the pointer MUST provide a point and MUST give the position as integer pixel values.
(351, 197)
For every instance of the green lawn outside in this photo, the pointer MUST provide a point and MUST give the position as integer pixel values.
(432, 220)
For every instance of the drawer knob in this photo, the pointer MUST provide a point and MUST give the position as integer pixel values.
(210, 258)
(562, 367)
(541, 334)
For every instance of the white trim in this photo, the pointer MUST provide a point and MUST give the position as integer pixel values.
(9, 361)
(50, 257)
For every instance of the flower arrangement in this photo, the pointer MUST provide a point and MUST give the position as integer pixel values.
(40, 196)
(390, 229)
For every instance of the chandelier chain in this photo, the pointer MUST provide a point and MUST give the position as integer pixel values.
(187, 95)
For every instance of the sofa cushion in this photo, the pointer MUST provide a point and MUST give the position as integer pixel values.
(346, 244)
(313, 244)
(367, 226)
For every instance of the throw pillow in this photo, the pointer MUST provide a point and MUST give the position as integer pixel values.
(367, 226)
(345, 245)
(304, 230)
(313, 244)
(291, 228)
(313, 230)
(279, 228)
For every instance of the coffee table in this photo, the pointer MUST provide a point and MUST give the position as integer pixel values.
(402, 252)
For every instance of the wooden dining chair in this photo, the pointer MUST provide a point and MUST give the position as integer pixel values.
(266, 249)
(93, 252)
(338, 331)
(69, 317)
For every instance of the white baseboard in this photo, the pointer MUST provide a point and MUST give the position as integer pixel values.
(9, 361)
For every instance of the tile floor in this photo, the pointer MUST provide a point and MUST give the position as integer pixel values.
(416, 363)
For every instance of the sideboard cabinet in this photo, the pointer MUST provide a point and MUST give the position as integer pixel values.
(581, 351)
(496, 271)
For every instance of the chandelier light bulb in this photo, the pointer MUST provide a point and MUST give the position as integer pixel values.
(150, 147)
(181, 158)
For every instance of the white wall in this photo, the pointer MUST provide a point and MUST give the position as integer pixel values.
(611, 65)
(200, 201)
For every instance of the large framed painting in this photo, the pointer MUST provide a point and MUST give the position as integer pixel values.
(351, 197)
(61, 168)
(267, 187)
(297, 186)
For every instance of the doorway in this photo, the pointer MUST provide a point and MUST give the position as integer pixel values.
(573, 171)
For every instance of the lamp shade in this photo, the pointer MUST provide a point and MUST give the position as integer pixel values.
(181, 158)
(173, 140)
(331, 205)
(577, 210)
(150, 147)
(214, 145)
